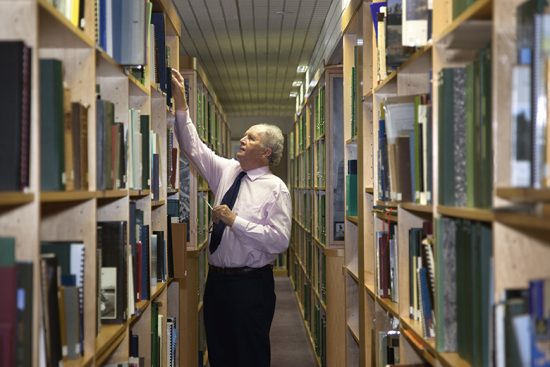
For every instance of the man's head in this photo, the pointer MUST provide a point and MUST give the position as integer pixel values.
(261, 145)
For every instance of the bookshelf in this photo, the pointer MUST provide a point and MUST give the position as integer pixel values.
(315, 255)
(512, 223)
(36, 214)
(208, 116)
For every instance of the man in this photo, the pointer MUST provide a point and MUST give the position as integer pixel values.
(252, 223)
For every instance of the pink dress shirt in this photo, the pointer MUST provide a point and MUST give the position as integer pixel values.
(262, 228)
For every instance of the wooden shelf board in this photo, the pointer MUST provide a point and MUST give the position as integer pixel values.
(353, 219)
(157, 291)
(479, 10)
(370, 290)
(523, 194)
(369, 190)
(69, 36)
(425, 346)
(387, 204)
(391, 78)
(481, 215)
(66, 196)
(280, 272)
(352, 273)
(308, 331)
(452, 360)
(353, 140)
(388, 305)
(523, 221)
(172, 191)
(139, 193)
(112, 194)
(199, 306)
(386, 216)
(83, 361)
(318, 242)
(140, 307)
(156, 91)
(334, 251)
(137, 89)
(107, 67)
(414, 207)
(108, 339)
(320, 188)
(157, 203)
(194, 252)
(12, 198)
(354, 333)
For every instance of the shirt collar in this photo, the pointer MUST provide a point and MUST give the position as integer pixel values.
(253, 174)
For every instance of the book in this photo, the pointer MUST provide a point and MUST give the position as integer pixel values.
(113, 293)
(52, 147)
(25, 333)
(8, 307)
(50, 301)
(15, 73)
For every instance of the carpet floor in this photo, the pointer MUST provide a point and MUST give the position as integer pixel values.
(289, 341)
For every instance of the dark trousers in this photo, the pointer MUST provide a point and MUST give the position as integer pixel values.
(238, 311)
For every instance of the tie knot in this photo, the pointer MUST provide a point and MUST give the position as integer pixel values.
(240, 176)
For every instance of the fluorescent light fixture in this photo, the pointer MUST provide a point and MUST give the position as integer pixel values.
(297, 83)
(313, 83)
(359, 42)
(293, 94)
(301, 69)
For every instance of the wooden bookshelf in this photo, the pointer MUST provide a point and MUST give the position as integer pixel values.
(108, 339)
(66, 196)
(135, 194)
(111, 194)
(523, 194)
(59, 31)
(353, 219)
(413, 207)
(15, 198)
(523, 222)
(481, 215)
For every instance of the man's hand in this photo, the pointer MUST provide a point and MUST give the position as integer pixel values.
(178, 91)
(223, 213)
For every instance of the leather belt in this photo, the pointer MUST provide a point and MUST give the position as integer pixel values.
(245, 270)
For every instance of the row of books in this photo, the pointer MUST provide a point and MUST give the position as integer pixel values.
(73, 10)
(209, 119)
(522, 326)
(465, 171)
(16, 316)
(530, 159)
(400, 26)
(464, 283)
(320, 230)
(386, 264)
(319, 112)
(404, 149)
(321, 165)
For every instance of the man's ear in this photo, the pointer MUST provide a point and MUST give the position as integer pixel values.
(268, 153)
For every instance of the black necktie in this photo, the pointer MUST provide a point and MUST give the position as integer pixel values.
(228, 199)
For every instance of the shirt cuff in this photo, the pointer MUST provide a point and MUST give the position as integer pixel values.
(240, 224)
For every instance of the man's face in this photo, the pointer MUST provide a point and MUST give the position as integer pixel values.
(252, 152)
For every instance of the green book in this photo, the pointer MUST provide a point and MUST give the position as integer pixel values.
(52, 146)
(471, 161)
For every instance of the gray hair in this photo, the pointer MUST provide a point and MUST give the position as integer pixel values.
(273, 139)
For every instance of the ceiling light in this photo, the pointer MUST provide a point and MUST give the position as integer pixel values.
(293, 94)
(301, 69)
(359, 42)
(297, 83)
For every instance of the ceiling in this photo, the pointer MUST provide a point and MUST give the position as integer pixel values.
(250, 50)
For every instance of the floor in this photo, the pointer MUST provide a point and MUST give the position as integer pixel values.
(289, 342)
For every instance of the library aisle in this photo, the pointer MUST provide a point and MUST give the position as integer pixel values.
(289, 344)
